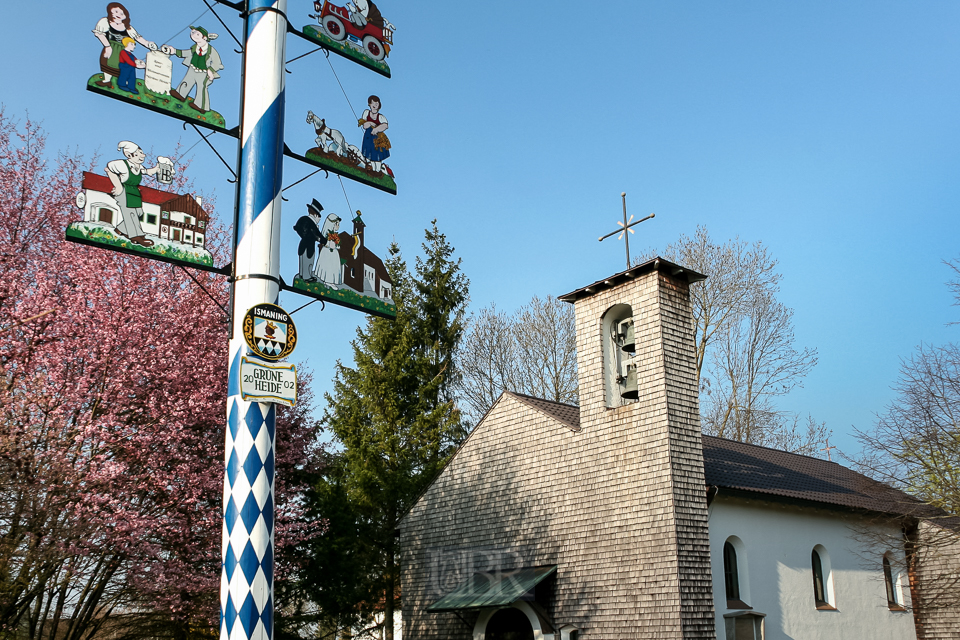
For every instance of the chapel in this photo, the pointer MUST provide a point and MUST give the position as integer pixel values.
(619, 519)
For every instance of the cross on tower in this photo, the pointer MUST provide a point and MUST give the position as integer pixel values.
(827, 449)
(625, 227)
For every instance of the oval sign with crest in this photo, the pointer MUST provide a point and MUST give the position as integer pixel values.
(269, 332)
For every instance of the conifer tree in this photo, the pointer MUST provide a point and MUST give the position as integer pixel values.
(394, 416)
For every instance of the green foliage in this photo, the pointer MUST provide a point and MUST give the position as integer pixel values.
(346, 297)
(442, 291)
(158, 102)
(333, 576)
(93, 232)
(394, 417)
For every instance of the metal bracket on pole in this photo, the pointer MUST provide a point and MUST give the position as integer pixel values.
(323, 306)
(204, 138)
(256, 276)
(236, 6)
(213, 11)
(306, 177)
(249, 13)
(204, 289)
(309, 53)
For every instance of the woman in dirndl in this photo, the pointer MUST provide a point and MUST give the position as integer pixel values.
(376, 145)
(110, 31)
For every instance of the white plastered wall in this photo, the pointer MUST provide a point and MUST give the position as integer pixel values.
(777, 541)
(95, 200)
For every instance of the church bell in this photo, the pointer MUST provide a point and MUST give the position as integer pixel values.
(630, 390)
(625, 333)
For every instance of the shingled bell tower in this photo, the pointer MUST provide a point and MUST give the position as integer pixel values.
(640, 421)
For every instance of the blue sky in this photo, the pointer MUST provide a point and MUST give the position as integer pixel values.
(827, 130)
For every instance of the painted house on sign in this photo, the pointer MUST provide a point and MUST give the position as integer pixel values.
(179, 218)
(363, 271)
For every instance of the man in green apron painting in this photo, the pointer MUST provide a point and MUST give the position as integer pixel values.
(125, 176)
(203, 64)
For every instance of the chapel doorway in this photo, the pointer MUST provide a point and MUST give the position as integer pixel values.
(509, 624)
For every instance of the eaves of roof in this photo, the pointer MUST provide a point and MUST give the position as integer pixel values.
(656, 264)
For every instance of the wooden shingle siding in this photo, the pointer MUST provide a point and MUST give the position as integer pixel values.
(938, 566)
(619, 504)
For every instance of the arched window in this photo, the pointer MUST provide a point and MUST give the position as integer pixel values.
(619, 355)
(819, 593)
(569, 632)
(519, 621)
(731, 577)
(736, 579)
(893, 595)
(822, 579)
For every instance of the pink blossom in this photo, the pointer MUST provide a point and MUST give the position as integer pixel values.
(113, 401)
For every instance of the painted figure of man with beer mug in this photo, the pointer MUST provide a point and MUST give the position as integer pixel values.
(125, 176)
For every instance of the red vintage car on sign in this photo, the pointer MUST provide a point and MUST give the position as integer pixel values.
(335, 21)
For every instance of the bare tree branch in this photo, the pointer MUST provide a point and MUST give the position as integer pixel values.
(533, 351)
(954, 283)
(744, 344)
(915, 446)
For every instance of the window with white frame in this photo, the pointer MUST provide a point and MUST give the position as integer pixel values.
(891, 580)
(822, 578)
(735, 579)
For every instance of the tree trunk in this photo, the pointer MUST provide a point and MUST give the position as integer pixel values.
(390, 590)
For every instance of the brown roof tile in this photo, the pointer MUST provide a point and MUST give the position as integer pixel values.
(654, 264)
(746, 467)
(567, 414)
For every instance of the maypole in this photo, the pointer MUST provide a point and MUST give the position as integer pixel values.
(261, 333)
(246, 581)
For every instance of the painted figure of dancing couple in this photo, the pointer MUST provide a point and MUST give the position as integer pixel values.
(322, 242)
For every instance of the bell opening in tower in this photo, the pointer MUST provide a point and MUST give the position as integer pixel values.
(619, 355)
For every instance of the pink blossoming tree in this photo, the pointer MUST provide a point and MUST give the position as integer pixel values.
(112, 412)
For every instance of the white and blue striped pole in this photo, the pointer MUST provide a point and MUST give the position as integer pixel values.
(246, 581)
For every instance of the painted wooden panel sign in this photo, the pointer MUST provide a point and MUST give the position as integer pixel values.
(269, 331)
(338, 267)
(356, 31)
(367, 163)
(261, 382)
(120, 69)
(121, 214)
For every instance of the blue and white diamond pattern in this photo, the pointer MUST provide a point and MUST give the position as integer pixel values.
(246, 586)
(247, 581)
(270, 347)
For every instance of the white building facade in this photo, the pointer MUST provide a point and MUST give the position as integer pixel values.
(773, 550)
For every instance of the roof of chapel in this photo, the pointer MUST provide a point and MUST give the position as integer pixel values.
(655, 264)
(750, 469)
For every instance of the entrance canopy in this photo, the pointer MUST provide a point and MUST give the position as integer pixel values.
(493, 589)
